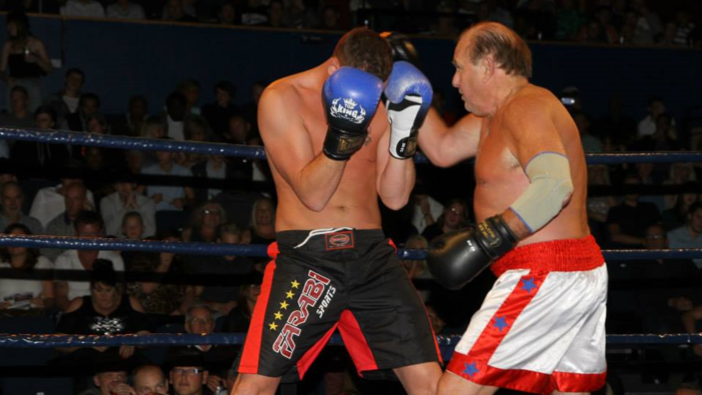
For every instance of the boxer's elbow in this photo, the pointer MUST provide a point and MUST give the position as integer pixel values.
(313, 202)
(395, 203)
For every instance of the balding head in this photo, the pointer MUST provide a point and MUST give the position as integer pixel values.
(74, 199)
(511, 52)
(149, 379)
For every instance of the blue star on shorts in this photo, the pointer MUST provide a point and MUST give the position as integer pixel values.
(528, 284)
(470, 369)
(500, 323)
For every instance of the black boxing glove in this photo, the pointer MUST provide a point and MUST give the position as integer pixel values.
(402, 48)
(350, 97)
(457, 257)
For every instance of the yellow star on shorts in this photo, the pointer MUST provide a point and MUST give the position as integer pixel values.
(289, 295)
(273, 326)
(278, 316)
(295, 284)
(284, 305)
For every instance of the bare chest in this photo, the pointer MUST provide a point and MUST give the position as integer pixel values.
(495, 163)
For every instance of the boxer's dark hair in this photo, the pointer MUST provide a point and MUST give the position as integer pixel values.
(365, 50)
(511, 52)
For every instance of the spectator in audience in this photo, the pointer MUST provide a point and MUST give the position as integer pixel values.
(598, 206)
(665, 138)
(153, 128)
(217, 167)
(149, 380)
(676, 216)
(190, 88)
(97, 123)
(667, 37)
(583, 122)
(219, 274)
(84, 8)
(24, 59)
(19, 114)
(21, 293)
(153, 293)
(648, 23)
(38, 155)
(239, 318)
(12, 201)
(683, 28)
(218, 113)
(49, 202)
(205, 223)
(569, 18)
(196, 129)
(454, 217)
(616, 124)
(110, 379)
(417, 269)
(239, 130)
(176, 107)
(132, 226)
(678, 174)
(75, 201)
(188, 374)
(105, 310)
(262, 228)
(126, 199)
(174, 11)
(168, 198)
(125, 9)
(227, 14)
(594, 32)
(330, 18)
(276, 14)
(88, 224)
(250, 109)
(687, 236)
(131, 123)
(425, 209)
(627, 222)
(65, 101)
(647, 126)
(255, 13)
(88, 105)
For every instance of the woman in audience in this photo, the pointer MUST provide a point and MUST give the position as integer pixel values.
(206, 220)
(679, 174)
(455, 217)
(149, 287)
(195, 129)
(239, 318)
(27, 291)
(107, 311)
(676, 216)
(262, 229)
(133, 226)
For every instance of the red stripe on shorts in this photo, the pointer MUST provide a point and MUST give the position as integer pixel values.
(356, 342)
(305, 362)
(252, 347)
(474, 365)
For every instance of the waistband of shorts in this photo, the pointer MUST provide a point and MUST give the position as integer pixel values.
(567, 255)
(334, 240)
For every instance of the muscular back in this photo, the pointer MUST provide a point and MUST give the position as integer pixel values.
(530, 122)
(293, 128)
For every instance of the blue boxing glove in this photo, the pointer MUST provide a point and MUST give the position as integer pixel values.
(350, 97)
(409, 95)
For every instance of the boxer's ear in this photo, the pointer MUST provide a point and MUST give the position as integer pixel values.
(487, 67)
(334, 65)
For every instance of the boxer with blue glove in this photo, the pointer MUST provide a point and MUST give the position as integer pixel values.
(326, 135)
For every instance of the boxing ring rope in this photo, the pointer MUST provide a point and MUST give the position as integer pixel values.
(257, 152)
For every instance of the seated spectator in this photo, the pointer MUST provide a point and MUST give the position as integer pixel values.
(126, 199)
(149, 287)
(19, 115)
(568, 21)
(50, 202)
(131, 123)
(88, 224)
(590, 142)
(88, 105)
(598, 206)
(106, 310)
(196, 129)
(647, 126)
(255, 13)
(97, 123)
(65, 101)
(616, 124)
(132, 226)
(688, 236)
(20, 293)
(417, 269)
(205, 223)
(110, 379)
(75, 202)
(627, 222)
(188, 375)
(425, 209)
(125, 9)
(218, 113)
(239, 318)
(227, 15)
(665, 138)
(85, 8)
(176, 111)
(11, 203)
(262, 228)
(216, 359)
(153, 128)
(174, 11)
(679, 174)
(330, 18)
(149, 380)
(455, 217)
(215, 275)
(190, 88)
(676, 216)
(37, 156)
(218, 167)
(168, 198)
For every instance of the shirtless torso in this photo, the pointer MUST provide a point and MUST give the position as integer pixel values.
(293, 128)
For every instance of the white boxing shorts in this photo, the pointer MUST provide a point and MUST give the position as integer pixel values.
(542, 326)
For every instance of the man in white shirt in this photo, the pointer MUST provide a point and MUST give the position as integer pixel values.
(87, 8)
(67, 286)
(114, 206)
(49, 202)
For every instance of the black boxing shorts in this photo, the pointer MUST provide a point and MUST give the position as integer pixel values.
(345, 279)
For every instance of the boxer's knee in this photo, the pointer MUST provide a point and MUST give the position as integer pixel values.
(254, 384)
(452, 384)
(420, 379)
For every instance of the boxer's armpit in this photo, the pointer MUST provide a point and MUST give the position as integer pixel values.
(549, 190)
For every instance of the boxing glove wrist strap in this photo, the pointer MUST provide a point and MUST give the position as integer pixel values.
(341, 145)
(495, 236)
